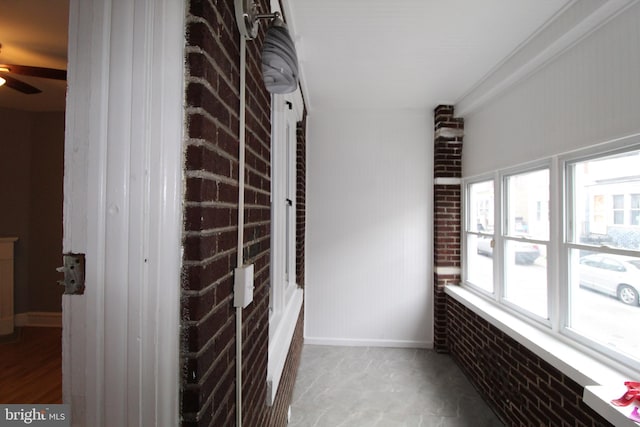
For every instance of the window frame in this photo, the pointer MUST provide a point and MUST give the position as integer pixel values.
(283, 207)
(558, 247)
(466, 230)
(285, 296)
(504, 238)
(568, 243)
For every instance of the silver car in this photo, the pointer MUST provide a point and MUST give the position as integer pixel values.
(525, 253)
(614, 275)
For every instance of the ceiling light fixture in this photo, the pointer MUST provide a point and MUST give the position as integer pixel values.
(279, 58)
(2, 81)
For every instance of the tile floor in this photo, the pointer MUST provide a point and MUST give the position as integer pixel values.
(384, 387)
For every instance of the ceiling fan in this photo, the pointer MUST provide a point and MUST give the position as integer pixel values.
(25, 70)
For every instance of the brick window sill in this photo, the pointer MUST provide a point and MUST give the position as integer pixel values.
(601, 382)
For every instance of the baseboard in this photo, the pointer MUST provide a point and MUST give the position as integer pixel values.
(349, 342)
(39, 318)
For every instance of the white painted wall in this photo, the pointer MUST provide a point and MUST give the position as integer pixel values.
(369, 209)
(589, 94)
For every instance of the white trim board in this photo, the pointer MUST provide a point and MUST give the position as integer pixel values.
(39, 319)
(123, 194)
(356, 342)
(579, 20)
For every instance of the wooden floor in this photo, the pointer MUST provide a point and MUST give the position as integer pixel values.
(31, 367)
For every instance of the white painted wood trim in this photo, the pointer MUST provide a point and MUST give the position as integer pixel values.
(347, 342)
(447, 271)
(39, 319)
(123, 209)
(599, 399)
(447, 181)
(572, 24)
(83, 207)
(165, 228)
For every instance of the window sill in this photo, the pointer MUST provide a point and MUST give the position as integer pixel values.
(598, 397)
(281, 342)
(601, 382)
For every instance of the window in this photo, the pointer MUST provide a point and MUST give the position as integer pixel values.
(526, 239)
(283, 196)
(581, 281)
(285, 299)
(604, 264)
(479, 235)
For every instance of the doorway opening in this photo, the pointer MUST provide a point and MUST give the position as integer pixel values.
(33, 33)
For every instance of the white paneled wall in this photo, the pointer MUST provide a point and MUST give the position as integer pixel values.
(369, 209)
(589, 94)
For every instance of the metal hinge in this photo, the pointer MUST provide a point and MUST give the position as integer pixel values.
(73, 270)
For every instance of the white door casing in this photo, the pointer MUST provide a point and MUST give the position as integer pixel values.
(123, 209)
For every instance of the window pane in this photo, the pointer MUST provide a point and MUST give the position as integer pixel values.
(528, 205)
(526, 276)
(479, 249)
(527, 218)
(603, 299)
(618, 201)
(635, 209)
(479, 262)
(481, 207)
(601, 186)
(618, 209)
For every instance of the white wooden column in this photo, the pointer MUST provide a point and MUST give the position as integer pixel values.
(123, 209)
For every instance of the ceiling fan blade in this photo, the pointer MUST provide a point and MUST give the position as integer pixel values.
(47, 73)
(19, 85)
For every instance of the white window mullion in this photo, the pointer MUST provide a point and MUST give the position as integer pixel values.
(556, 256)
(498, 265)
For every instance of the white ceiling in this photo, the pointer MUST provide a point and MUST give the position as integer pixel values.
(353, 53)
(34, 32)
(406, 53)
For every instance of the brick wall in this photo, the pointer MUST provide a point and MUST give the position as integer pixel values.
(301, 207)
(448, 133)
(210, 230)
(523, 389)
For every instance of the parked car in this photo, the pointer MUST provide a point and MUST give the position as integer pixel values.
(526, 253)
(614, 275)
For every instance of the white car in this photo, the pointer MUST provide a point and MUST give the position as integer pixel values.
(614, 275)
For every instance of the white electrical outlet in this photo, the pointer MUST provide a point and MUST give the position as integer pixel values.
(243, 286)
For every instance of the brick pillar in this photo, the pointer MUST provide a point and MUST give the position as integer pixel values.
(447, 173)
